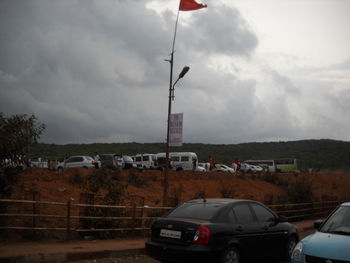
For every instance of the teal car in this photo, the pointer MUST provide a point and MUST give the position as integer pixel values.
(330, 243)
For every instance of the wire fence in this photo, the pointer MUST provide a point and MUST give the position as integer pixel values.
(87, 219)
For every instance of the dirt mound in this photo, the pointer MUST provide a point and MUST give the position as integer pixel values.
(61, 187)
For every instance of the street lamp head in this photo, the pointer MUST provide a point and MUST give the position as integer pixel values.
(184, 71)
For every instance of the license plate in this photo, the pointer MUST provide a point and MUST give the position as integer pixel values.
(170, 233)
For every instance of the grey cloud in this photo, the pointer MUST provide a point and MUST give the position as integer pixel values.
(284, 83)
(344, 65)
(219, 29)
(94, 71)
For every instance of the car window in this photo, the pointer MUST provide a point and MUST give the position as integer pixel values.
(196, 210)
(226, 216)
(138, 159)
(243, 214)
(70, 160)
(339, 221)
(232, 217)
(185, 159)
(175, 159)
(145, 158)
(262, 214)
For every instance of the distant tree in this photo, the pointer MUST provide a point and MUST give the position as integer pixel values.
(17, 134)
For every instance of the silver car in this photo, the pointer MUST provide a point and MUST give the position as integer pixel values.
(77, 161)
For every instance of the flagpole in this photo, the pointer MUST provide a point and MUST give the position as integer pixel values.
(184, 5)
(167, 161)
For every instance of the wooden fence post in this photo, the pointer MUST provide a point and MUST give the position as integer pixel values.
(69, 205)
(34, 209)
(143, 206)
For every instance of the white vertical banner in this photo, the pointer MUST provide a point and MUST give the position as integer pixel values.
(175, 129)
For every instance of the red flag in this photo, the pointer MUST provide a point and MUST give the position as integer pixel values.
(189, 5)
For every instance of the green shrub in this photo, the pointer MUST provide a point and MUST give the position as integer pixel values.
(300, 191)
(200, 194)
(227, 190)
(136, 180)
(269, 178)
(76, 177)
(9, 178)
(98, 179)
(176, 197)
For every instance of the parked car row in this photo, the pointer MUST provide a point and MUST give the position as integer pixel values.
(250, 168)
(179, 161)
(114, 161)
(39, 162)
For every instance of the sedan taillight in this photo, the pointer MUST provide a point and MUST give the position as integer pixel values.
(202, 235)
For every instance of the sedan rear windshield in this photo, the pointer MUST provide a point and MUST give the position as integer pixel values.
(196, 210)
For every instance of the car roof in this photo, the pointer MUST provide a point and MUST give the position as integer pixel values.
(345, 204)
(218, 200)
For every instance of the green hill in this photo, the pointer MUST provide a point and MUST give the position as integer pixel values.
(326, 155)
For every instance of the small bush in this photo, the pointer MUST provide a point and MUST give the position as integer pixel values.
(115, 194)
(298, 191)
(200, 194)
(97, 179)
(136, 180)
(153, 178)
(301, 190)
(269, 178)
(241, 175)
(227, 190)
(116, 175)
(177, 195)
(10, 177)
(76, 178)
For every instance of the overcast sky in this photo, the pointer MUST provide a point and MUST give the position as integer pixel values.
(95, 70)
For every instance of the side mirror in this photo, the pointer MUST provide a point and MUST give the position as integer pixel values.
(317, 224)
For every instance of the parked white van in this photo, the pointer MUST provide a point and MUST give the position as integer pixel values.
(179, 161)
(145, 161)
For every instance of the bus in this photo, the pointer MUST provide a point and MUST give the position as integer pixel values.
(179, 161)
(269, 165)
(286, 165)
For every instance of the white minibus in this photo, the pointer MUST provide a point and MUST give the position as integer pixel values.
(179, 161)
(145, 160)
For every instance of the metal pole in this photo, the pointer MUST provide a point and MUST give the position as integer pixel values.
(167, 162)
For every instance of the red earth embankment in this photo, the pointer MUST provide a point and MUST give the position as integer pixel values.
(58, 187)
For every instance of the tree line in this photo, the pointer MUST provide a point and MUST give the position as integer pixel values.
(324, 154)
(19, 136)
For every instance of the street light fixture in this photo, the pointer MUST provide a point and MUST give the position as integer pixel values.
(183, 72)
(171, 97)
